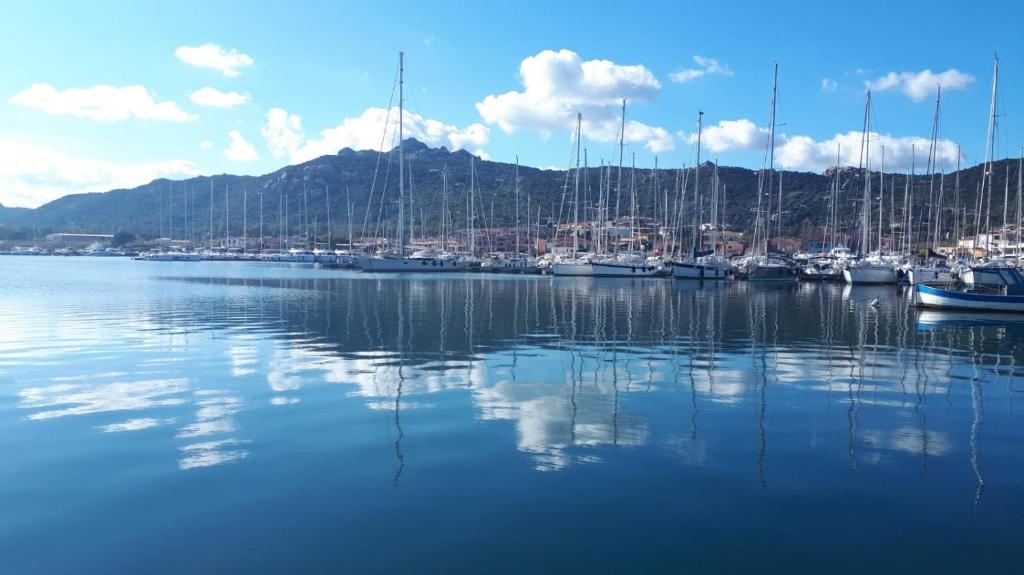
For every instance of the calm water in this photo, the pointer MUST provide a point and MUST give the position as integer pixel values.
(211, 417)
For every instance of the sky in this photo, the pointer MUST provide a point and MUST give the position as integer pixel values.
(103, 95)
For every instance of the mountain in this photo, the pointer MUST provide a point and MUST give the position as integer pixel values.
(9, 214)
(184, 208)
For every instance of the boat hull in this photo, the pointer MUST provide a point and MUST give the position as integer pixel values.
(412, 265)
(930, 276)
(938, 298)
(699, 271)
(577, 269)
(623, 270)
(869, 275)
(769, 273)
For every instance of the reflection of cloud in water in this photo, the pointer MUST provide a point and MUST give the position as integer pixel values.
(209, 453)
(908, 440)
(81, 399)
(243, 359)
(134, 424)
(214, 414)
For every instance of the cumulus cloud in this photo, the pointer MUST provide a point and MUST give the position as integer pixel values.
(920, 85)
(557, 85)
(806, 153)
(802, 152)
(829, 85)
(284, 135)
(240, 150)
(732, 135)
(212, 56)
(205, 145)
(101, 103)
(33, 175)
(705, 67)
(214, 98)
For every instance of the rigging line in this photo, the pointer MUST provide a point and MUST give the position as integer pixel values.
(380, 152)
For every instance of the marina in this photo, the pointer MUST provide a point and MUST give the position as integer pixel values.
(337, 403)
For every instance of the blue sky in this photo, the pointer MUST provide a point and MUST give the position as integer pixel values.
(104, 94)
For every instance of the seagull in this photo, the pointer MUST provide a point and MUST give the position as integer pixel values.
(873, 303)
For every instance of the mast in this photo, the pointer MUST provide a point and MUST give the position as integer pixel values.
(576, 192)
(245, 219)
(866, 156)
(330, 238)
(211, 214)
(694, 248)
(401, 156)
(348, 201)
(1020, 165)
(618, 184)
(261, 221)
(227, 218)
(990, 151)
(881, 195)
(771, 155)
(517, 204)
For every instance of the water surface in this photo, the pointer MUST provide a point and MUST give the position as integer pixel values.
(212, 417)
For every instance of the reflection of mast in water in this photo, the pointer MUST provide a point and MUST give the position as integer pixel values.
(693, 380)
(469, 325)
(976, 408)
(756, 319)
(399, 456)
(854, 387)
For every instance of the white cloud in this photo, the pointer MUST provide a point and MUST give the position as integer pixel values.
(920, 85)
(732, 135)
(829, 85)
(101, 103)
(240, 150)
(557, 85)
(205, 145)
(284, 135)
(33, 175)
(227, 62)
(806, 153)
(705, 67)
(214, 98)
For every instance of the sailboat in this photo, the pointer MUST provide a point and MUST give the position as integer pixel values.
(427, 260)
(517, 262)
(987, 271)
(711, 266)
(933, 270)
(575, 264)
(873, 268)
(760, 265)
(632, 263)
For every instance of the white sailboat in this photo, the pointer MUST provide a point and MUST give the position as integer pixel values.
(874, 268)
(426, 260)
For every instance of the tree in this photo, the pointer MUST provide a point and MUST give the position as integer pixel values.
(122, 238)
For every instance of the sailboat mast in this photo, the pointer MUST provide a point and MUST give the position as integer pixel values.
(771, 153)
(696, 187)
(866, 155)
(576, 192)
(517, 204)
(622, 144)
(401, 156)
(990, 151)
(327, 192)
(211, 214)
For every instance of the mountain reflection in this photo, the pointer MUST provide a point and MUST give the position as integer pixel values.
(579, 368)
